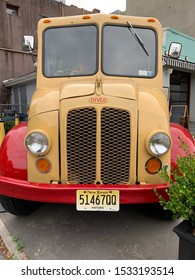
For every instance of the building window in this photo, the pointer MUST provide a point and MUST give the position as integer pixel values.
(179, 97)
(12, 10)
(179, 88)
(20, 99)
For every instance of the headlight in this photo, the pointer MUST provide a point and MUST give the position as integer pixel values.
(36, 143)
(158, 144)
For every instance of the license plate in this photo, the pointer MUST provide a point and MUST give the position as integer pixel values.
(97, 200)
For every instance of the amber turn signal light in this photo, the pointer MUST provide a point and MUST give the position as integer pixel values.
(153, 165)
(43, 165)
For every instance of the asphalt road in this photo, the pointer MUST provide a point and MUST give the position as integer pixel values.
(1, 208)
(59, 232)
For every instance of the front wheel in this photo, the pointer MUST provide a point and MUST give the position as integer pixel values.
(165, 214)
(18, 207)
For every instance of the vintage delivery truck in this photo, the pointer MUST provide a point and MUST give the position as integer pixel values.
(98, 128)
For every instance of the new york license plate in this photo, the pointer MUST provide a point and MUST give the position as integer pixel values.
(97, 200)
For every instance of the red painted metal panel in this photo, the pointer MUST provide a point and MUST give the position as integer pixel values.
(65, 193)
(13, 158)
(178, 131)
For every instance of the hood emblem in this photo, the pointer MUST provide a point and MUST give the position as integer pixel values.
(98, 100)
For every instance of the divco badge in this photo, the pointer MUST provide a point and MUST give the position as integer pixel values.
(98, 100)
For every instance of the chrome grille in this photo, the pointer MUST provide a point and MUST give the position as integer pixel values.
(81, 145)
(115, 146)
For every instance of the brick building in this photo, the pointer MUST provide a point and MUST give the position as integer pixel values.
(19, 18)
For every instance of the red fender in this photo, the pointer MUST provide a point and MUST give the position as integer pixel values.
(13, 156)
(176, 132)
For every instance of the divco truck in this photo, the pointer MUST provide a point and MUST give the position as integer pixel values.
(98, 129)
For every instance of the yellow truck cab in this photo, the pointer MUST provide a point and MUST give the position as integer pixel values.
(98, 128)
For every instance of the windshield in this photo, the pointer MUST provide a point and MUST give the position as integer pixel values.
(70, 51)
(128, 52)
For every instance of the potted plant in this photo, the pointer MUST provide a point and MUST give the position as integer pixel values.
(181, 200)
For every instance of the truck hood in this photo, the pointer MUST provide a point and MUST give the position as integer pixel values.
(113, 88)
(45, 99)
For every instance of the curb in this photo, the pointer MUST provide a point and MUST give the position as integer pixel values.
(10, 245)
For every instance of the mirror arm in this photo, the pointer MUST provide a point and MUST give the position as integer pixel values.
(31, 52)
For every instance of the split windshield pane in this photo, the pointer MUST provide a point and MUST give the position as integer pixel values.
(70, 51)
(124, 55)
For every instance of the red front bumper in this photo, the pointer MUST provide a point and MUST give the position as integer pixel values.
(65, 193)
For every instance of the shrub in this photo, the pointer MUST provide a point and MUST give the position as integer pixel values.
(181, 187)
(8, 125)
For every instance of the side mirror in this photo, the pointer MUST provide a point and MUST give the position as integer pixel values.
(28, 43)
(175, 50)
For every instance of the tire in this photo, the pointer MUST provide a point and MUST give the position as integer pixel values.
(17, 206)
(165, 214)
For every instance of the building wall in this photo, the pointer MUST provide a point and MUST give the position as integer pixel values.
(192, 100)
(188, 43)
(177, 18)
(23, 21)
(21, 96)
(177, 14)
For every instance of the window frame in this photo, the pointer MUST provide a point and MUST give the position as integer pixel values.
(12, 9)
(155, 57)
(72, 26)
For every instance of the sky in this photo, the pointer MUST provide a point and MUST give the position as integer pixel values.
(105, 6)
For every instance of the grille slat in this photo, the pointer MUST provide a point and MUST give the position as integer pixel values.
(115, 146)
(81, 146)
(82, 150)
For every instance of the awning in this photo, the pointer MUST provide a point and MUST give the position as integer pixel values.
(187, 65)
(20, 80)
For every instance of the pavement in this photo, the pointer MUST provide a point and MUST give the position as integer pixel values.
(59, 232)
(8, 248)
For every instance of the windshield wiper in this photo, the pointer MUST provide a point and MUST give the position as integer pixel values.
(137, 38)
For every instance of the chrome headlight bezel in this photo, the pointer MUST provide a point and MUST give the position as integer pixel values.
(37, 143)
(158, 143)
